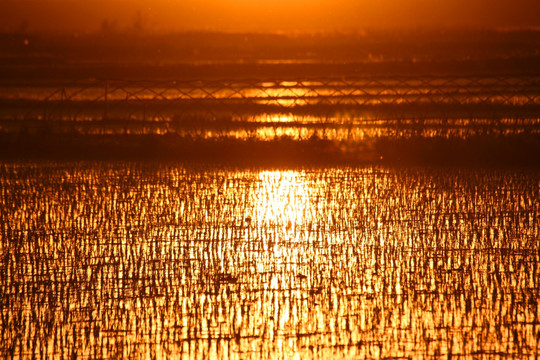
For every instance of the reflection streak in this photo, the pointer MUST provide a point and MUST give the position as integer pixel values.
(159, 261)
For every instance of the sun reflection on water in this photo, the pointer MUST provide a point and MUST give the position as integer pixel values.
(282, 199)
(131, 261)
(281, 203)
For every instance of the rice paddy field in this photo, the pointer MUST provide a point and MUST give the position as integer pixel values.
(270, 196)
(162, 260)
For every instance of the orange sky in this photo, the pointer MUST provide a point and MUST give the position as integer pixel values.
(265, 16)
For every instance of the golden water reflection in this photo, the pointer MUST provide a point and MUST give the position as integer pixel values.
(125, 260)
(282, 198)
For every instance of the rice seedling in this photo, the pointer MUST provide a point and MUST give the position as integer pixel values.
(108, 260)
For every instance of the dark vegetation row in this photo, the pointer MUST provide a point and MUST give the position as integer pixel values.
(197, 110)
(509, 150)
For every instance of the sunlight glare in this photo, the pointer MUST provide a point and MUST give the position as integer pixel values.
(282, 200)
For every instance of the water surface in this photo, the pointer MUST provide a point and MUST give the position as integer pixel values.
(104, 260)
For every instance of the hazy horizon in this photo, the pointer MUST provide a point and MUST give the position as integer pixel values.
(279, 16)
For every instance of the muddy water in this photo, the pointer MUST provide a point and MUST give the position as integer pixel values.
(125, 260)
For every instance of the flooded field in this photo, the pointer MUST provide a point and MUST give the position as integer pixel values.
(320, 120)
(337, 109)
(112, 260)
(418, 97)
